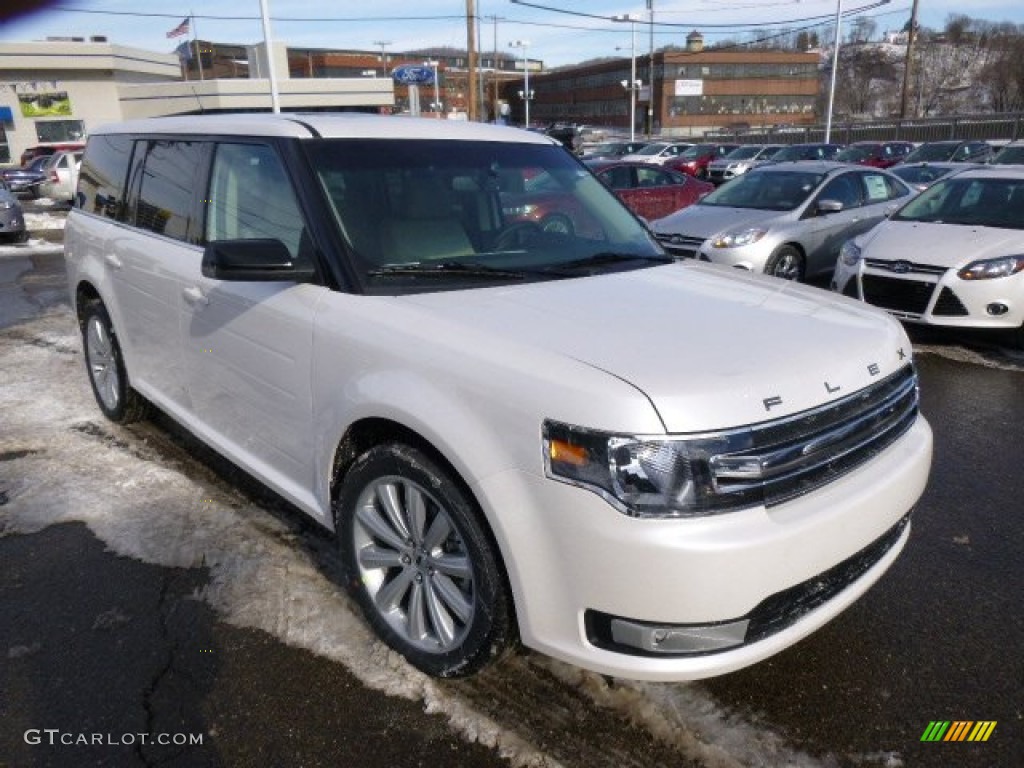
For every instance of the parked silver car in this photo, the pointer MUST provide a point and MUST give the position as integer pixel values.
(740, 160)
(784, 220)
(12, 219)
(953, 256)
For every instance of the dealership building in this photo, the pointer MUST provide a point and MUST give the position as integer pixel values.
(696, 90)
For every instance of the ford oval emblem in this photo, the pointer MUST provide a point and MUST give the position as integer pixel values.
(411, 74)
(900, 267)
(676, 239)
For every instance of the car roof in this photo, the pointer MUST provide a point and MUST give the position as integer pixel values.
(819, 166)
(1011, 172)
(312, 125)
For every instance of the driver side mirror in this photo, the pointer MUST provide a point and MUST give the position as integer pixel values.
(826, 207)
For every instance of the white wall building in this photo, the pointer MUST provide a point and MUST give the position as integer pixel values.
(57, 90)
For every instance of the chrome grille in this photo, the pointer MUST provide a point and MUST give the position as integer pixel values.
(791, 457)
(680, 245)
(905, 267)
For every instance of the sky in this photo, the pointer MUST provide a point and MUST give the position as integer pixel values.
(559, 32)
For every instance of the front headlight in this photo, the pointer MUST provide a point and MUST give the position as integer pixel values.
(519, 210)
(6, 205)
(988, 269)
(850, 254)
(649, 477)
(739, 238)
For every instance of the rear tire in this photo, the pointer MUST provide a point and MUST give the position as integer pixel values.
(105, 365)
(420, 563)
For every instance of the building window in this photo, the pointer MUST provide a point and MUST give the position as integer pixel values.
(60, 130)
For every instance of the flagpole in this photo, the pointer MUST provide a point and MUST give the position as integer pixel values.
(195, 39)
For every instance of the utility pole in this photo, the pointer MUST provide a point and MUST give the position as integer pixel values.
(911, 34)
(472, 58)
(383, 54)
(650, 73)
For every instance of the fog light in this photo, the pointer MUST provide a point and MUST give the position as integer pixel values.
(675, 638)
(997, 308)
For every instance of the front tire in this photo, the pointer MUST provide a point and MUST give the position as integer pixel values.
(786, 263)
(420, 563)
(105, 365)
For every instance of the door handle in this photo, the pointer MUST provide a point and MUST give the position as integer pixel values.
(195, 297)
(112, 261)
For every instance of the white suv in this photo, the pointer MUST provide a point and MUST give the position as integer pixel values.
(651, 469)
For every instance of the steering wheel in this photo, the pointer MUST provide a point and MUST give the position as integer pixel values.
(517, 234)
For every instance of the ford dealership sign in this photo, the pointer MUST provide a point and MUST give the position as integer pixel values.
(410, 74)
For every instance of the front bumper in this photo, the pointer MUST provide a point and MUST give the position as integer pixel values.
(931, 295)
(577, 560)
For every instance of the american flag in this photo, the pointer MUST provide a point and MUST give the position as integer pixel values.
(181, 29)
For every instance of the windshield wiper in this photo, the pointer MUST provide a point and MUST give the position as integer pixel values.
(445, 269)
(607, 258)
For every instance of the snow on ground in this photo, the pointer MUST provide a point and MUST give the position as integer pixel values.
(69, 464)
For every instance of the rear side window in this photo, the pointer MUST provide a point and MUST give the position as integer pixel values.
(102, 177)
(168, 176)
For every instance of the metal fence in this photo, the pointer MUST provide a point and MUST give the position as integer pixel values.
(999, 127)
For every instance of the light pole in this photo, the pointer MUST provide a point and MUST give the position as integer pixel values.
(437, 95)
(383, 54)
(525, 93)
(633, 84)
(835, 67)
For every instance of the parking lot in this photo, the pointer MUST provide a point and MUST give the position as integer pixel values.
(209, 605)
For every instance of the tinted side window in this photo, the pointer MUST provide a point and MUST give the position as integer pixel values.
(102, 178)
(843, 189)
(251, 197)
(169, 170)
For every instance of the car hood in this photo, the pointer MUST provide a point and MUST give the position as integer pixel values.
(707, 220)
(942, 245)
(710, 347)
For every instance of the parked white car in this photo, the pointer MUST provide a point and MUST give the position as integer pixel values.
(658, 152)
(650, 469)
(953, 256)
(61, 175)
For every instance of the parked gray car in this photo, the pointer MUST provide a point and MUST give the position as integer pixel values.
(12, 219)
(784, 220)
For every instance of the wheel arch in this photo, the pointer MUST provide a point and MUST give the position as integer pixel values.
(368, 432)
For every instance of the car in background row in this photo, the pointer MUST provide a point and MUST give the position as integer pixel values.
(610, 150)
(811, 151)
(877, 154)
(953, 151)
(741, 160)
(953, 256)
(12, 218)
(27, 178)
(787, 220)
(61, 175)
(659, 152)
(45, 150)
(1011, 154)
(649, 191)
(922, 175)
(696, 159)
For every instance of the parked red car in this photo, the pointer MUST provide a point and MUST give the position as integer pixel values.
(696, 159)
(651, 191)
(877, 154)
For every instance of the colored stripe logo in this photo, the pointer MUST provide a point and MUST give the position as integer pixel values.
(958, 730)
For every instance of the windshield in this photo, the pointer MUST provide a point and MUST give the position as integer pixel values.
(697, 151)
(433, 215)
(985, 202)
(855, 154)
(652, 149)
(743, 153)
(920, 175)
(766, 190)
(932, 152)
(1009, 156)
(795, 152)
